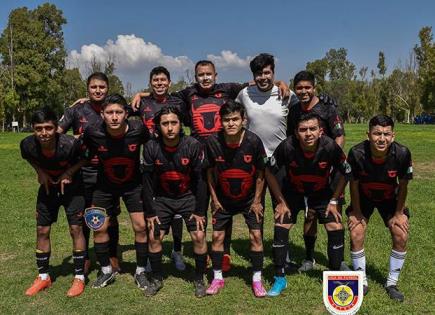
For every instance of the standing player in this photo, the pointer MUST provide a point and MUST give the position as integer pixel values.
(116, 142)
(332, 126)
(381, 169)
(236, 180)
(308, 159)
(54, 157)
(173, 184)
(79, 118)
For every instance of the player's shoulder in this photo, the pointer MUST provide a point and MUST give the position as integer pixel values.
(327, 142)
(136, 125)
(214, 138)
(190, 141)
(66, 141)
(252, 136)
(400, 150)
(359, 150)
(28, 142)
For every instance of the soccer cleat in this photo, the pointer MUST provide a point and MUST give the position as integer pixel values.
(215, 286)
(394, 293)
(200, 290)
(77, 288)
(291, 267)
(307, 265)
(344, 267)
(258, 288)
(38, 285)
(154, 286)
(226, 263)
(114, 262)
(141, 280)
(178, 260)
(278, 286)
(103, 280)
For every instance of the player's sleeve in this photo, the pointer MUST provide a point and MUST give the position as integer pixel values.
(293, 99)
(353, 163)
(261, 157)
(87, 150)
(65, 122)
(291, 121)
(199, 185)
(335, 123)
(340, 161)
(209, 154)
(147, 181)
(406, 171)
(233, 89)
(277, 160)
(76, 151)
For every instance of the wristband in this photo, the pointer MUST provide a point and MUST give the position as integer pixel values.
(333, 201)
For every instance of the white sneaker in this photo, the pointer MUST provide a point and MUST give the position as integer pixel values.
(307, 265)
(177, 258)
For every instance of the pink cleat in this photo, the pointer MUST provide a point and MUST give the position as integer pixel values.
(258, 288)
(215, 286)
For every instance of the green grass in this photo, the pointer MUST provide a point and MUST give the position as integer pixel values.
(304, 295)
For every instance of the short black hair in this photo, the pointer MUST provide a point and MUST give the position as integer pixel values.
(205, 63)
(98, 76)
(262, 61)
(165, 110)
(231, 106)
(304, 76)
(306, 117)
(381, 120)
(43, 115)
(114, 99)
(159, 70)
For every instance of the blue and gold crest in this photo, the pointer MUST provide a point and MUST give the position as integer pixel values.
(95, 217)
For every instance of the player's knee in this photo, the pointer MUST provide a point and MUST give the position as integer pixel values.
(399, 237)
(333, 226)
(43, 231)
(357, 234)
(75, 231)
(256, 238)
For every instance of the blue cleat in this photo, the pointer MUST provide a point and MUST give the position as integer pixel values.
(278, 286)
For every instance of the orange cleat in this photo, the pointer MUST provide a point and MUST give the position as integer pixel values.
(226, 263)
(116, 268)
(77, 288)
(38, 285)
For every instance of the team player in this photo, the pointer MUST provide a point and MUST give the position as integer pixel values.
(236, 161)
(332, 126)
(117, 142)
(55, 158)
(308, 159)
(381, 169)
(173, 184)
(78, 118)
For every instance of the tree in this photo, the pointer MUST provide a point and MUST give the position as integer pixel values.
(381, 64)
(75, 87)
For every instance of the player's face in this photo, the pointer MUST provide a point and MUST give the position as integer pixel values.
(160, 84)
(170, 126)
(232, 123)
(381, 138)
(205, 76)
(305, 91)
(308, 133)
(114, 115)
(264, 78)
(97, 90)
(45, 132)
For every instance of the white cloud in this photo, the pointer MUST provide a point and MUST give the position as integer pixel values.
(229, 59)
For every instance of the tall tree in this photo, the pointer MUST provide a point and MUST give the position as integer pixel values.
(381, 64)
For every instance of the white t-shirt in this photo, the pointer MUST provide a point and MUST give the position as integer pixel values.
(266, 114)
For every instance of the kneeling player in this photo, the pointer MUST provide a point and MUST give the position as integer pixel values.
(173, 185)
(381, 169)
(54, 157)
(236, 180)
(116, 142)
(308, 159)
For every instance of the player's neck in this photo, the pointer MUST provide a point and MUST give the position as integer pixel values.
(234, 139)
(310, 150)
(171, 142)
(118, 133)
(377, 155)
(311, 104)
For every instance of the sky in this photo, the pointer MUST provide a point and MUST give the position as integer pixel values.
(139, 35)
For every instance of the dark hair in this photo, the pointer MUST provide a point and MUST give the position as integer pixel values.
(204, 63)
(44, 115)
(304, 76)
(381, 120)
(98, 76)
(262, 61)
(231, 106)
(159, 70)
(306, 117)
(165, 110)
(114, 99)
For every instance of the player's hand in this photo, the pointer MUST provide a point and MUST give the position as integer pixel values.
(135, 102)
(354, 220)
(333, 210)
(80, 101)
(63, 180)
(215, 206)
(281, 211)
(200, 221)
(327, 100)
(45, 180)
(284, 90)
(401, 220)
(258, 210)
(151, 222)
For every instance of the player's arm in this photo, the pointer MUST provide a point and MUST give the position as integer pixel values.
(199, 187)
(281, 209)
(135, 102)
(66, 121)
(211, 183)
(257, 206)
(148, 190)
(44, 178)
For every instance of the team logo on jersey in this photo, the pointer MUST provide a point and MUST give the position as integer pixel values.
(132, 147)
(95, 217)
(184, 161)
(102, 148)
(219, 159)
(323, 164)
(342, 291)
(158, 162)
(294, 164)
(247, 158)
(218, 94)
(392, 173)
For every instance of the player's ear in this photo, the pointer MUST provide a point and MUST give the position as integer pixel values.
(368, 135)
(321, 131)
(393, 136)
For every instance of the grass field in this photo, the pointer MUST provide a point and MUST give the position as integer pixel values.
(304, 295)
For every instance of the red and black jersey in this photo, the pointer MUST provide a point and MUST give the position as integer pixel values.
(378, 179)
(309, 173)
(66, 154)
(236, 167)
(119, 157)
(174, 172)
(79, 117)
(202, 110)
(331, 121)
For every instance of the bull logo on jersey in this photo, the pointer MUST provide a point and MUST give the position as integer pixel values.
(132, 147)
(378, 191)
(247, 158)
(308, 183)
(206, 119)
(149, 123)
(392, 173)
(323, 164)
(185, 161)
(119, 170)
(236, 183)
(102, 148)
(174, 182)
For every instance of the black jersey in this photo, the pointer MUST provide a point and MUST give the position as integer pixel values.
(331, 121)
(309, 173)
(119, 157)
(378, 180)
(79, 117)
(174, 172)
(66, 154)
(236, 167)
(202, 110)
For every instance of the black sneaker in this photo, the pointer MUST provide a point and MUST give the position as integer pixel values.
(291, 267)
(200, 289)
(141, 280)
(394, 293)
(103, 280)
(153, 287)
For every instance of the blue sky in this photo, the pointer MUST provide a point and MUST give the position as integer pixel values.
(142, 34)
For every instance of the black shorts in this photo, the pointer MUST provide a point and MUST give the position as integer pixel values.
(386, 209)
(47, 206)
(89, 188)
(221, 219)
(166, 208)
(109, 199)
